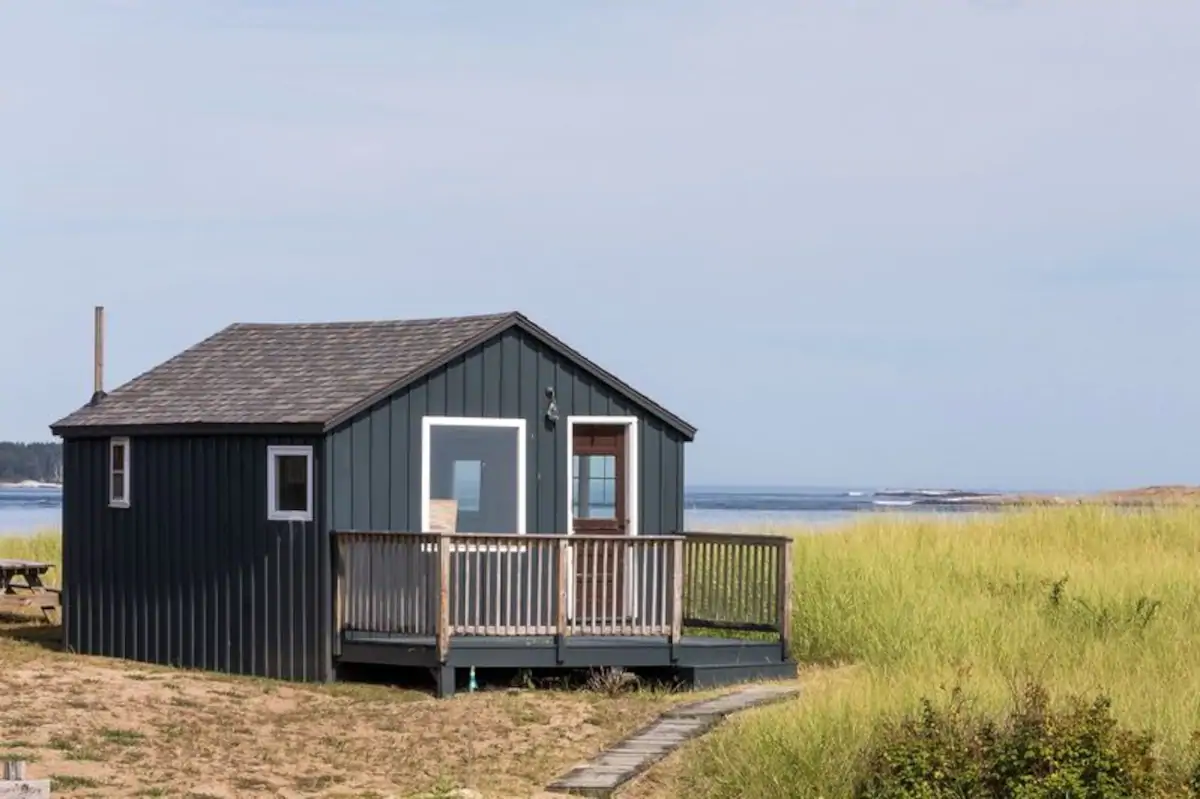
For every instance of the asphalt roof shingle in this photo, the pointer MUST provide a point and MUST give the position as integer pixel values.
(283, 373)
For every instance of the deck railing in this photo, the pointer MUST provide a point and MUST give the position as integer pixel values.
(442, 585)
(738, 582)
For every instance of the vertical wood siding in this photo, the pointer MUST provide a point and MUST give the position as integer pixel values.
(193, 574)
(373, 474)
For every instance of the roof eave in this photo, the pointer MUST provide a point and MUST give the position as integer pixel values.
(299, 428)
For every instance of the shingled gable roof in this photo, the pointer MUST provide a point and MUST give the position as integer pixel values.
(312, 374)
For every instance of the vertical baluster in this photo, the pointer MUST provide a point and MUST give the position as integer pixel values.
(742, 583)
(606, 586)
(618, 564)
(522, 606)
(734, 551)
(387, 579)
(495, 566)
(510, 590)
(593, 582)
(401, 606)
(661, 595)
(414, 596)
(535, 587)
(647, 590)
(756, 594)
(764, 561)
(655, 586)
(398, 549)
(479, 600)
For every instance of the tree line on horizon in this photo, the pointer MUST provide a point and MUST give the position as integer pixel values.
(40, 461)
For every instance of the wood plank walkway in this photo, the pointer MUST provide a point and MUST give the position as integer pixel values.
(608, 771)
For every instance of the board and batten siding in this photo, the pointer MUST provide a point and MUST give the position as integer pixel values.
(193, 574)
(373, 472)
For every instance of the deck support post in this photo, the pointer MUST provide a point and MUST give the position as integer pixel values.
(443, 600)
(785, 598)
(561, 576)
(444, 675)
(339, 592)
(676, 597)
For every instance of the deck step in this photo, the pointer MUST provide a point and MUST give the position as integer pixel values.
(612, 768)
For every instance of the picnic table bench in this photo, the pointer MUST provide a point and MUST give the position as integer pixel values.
(31, 590)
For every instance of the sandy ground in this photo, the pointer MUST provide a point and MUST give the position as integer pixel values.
(107, 728)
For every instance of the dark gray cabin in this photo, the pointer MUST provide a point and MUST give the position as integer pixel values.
(225, 510)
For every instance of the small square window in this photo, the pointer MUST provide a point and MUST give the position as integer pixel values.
(118, 473)
(289, 483)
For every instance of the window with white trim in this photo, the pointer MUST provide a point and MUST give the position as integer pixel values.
(480, 465)
(290, 483)
(118, 473)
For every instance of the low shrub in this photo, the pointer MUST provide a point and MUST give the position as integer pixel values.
(1077, 751)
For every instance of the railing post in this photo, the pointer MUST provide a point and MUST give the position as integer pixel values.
(785, 597)
(443, 600)
(560, 589)
(676, 592)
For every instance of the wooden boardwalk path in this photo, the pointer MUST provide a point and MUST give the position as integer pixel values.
(611, 769)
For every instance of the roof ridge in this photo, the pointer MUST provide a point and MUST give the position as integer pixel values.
(498, 316)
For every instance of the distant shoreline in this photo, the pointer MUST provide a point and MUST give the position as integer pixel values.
(1129, 497)
(946, 498)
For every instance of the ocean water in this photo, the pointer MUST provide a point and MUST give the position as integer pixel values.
(27, 510)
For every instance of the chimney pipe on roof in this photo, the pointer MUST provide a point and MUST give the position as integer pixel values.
(98, 366)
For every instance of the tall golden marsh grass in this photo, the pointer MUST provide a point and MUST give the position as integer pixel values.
(43, 545)
(1086, 600)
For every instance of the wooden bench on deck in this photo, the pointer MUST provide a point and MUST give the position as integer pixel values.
(31, 591)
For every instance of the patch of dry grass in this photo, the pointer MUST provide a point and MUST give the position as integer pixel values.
(99, 727)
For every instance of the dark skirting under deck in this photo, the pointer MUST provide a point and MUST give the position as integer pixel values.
(696, 660)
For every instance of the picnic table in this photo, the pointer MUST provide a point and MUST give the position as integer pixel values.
(22, 587)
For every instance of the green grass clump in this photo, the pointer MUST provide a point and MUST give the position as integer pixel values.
(1086, 601)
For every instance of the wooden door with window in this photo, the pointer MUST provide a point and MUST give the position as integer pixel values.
(598, 508)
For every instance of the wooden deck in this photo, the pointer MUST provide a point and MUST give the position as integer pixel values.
(714, 608)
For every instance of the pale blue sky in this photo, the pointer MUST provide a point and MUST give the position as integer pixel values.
(945, 243)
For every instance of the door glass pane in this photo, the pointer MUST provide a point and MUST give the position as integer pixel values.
(575, 483)
(477, 467)
(595, 487)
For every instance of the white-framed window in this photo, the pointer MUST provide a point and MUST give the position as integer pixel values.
(118, 473)
(290, 483)
(480, 464)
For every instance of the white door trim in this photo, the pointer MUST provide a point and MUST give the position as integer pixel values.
(631, 466)
(631, 496)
